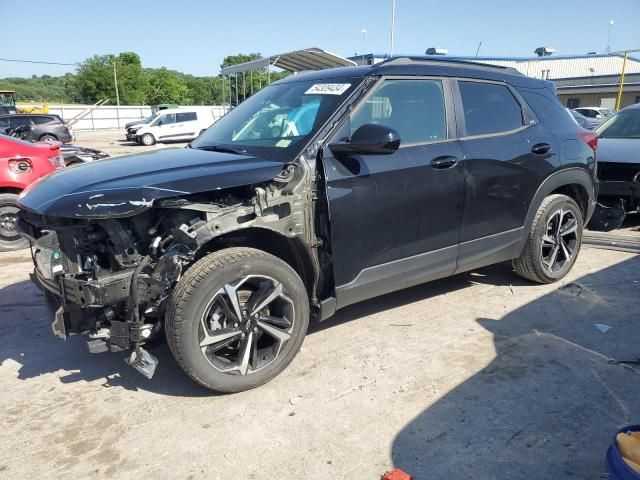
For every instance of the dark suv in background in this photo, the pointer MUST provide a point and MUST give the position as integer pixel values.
(319, 191)
(42, 127)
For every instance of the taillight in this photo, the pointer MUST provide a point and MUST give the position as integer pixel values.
(20, 165)
(57, 161)
(590, 138)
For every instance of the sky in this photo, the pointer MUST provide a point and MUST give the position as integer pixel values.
(195, 36)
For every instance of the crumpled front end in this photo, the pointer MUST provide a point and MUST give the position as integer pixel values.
(106, 278)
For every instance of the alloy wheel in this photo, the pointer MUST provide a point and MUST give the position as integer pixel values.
(560, 240)
(246, 324)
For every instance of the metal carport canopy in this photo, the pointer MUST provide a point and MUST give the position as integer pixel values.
(296, 61)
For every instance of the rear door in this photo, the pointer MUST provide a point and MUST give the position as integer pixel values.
(186, 125)
(507, 154)
(395, 219)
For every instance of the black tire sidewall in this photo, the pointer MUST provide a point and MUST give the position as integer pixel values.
(551, 208)
(195, 300)
(11, 199)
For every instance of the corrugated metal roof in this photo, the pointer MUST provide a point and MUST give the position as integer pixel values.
(296, 61)
(552, 67)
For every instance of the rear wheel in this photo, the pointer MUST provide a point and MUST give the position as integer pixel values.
(236, 319)
(554, 241)
(10, 239)
(147, 139)
(48, 138)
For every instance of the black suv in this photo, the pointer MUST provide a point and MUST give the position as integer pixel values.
(41, 127)
(319, 191)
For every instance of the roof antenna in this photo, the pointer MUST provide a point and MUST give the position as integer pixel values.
(478, 49)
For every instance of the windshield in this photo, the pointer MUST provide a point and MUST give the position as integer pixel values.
(277, 122)
(607, 112)
(150, 118)
(6, 100)
(625, 124)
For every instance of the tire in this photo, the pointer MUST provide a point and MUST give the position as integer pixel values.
(537, 261)
(147, 140)
(9, 239)
(47, 137)
(199, 299)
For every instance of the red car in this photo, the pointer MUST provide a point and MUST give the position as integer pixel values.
(21, 163)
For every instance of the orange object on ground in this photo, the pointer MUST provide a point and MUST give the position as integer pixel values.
(634, 466)
(629, 447)
(396, 474)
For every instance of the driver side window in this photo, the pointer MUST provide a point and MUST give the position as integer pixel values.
(415, 108)
(166, 119)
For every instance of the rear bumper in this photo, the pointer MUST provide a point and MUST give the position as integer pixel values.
(620, 189)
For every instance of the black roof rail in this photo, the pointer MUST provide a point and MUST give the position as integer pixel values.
(407, 60)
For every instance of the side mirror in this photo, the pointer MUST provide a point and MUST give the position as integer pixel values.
(369, 139)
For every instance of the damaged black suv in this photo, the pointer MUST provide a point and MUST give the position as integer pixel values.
(319, 191)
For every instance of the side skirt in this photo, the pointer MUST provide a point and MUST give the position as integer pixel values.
(389, 277)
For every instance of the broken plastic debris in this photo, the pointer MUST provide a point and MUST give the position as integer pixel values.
(602, 327)
(143, 362)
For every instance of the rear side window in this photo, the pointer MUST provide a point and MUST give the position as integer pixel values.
(489, 108)
(548, 108)
(20, 121)
(44, 120)
(186, 117)
(415, 108)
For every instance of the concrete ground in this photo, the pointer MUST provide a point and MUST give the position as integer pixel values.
(481, 376)
(114, 142)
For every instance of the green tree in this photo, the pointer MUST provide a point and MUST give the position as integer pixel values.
(95, 81)
(166, 86)
(132, 82)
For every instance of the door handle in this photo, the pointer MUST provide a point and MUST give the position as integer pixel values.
(443, 162)
(541, 148)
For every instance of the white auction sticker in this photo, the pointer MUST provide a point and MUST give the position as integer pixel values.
(328, 89)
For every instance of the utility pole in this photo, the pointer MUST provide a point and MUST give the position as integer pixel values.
(364, 40)
(115, 81)
(478, 49)
(624, 66)
(608, 49)
(393, 25)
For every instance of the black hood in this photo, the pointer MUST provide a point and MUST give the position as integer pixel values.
(125, 186)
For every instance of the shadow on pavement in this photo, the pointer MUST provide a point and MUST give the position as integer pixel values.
(547, 406)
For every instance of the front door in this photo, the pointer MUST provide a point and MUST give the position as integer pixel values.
(395, 219)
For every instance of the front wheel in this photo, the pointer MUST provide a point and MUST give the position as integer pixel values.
(236, 319)
(147, 139)
(10, 239)
(554, 241)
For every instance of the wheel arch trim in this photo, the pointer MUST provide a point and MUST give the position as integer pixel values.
(557, 180)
